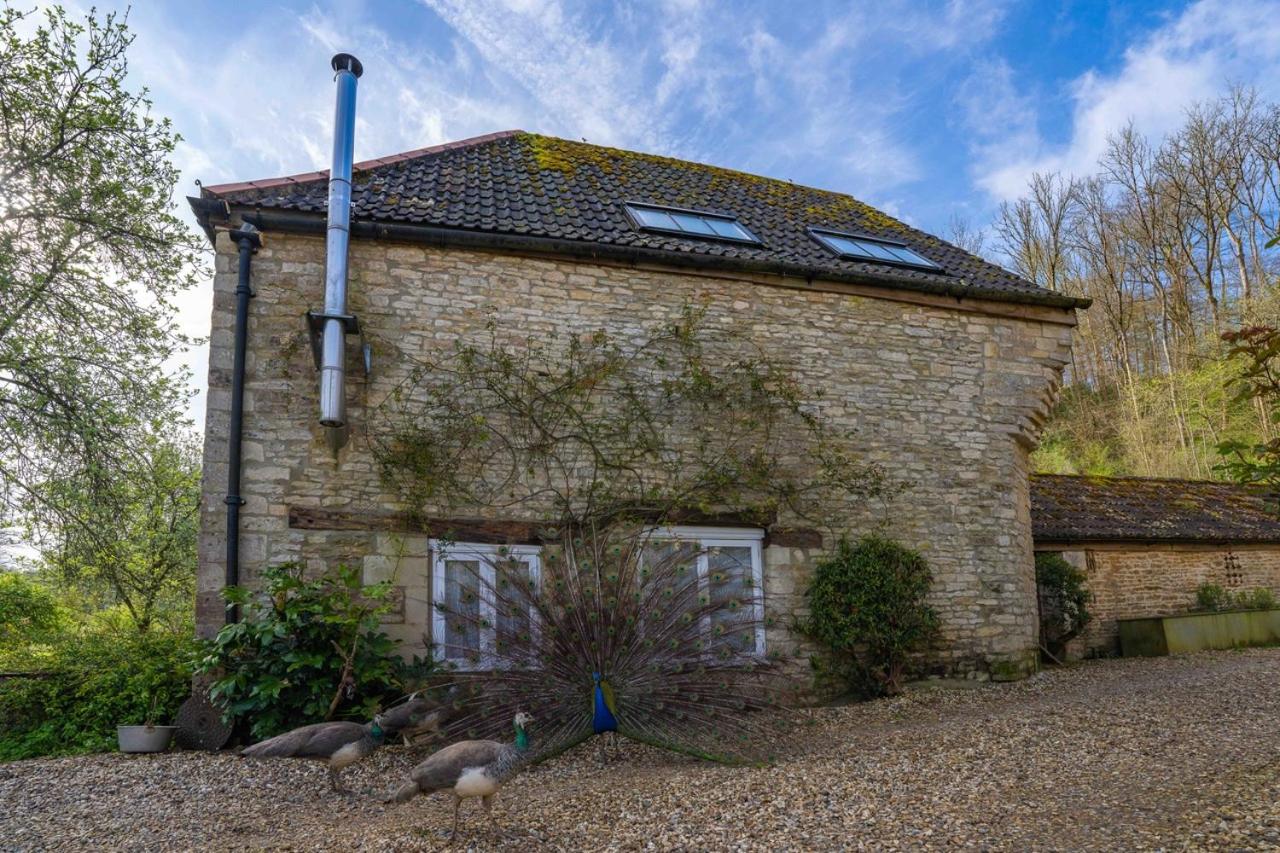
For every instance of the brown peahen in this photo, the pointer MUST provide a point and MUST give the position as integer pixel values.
(617, 631)
(470, 768)
(342, 743)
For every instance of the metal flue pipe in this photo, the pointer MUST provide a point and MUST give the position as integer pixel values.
(333, 351)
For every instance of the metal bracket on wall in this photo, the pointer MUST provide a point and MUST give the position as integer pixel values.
(315, 324)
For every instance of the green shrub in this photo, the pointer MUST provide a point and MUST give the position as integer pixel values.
(29, 616)
(867, 610)
(1064, 602)
(307, 650)
(1260, 598)
(97, 676)
(1211, 596)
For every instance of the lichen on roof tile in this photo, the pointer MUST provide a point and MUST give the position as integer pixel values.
(568, 190)
(1084, 509)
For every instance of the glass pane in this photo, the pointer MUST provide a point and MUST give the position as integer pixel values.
(727, 228)
(693, 224)
(878, 251)
(461, 608)
(511, 598)
(669, 591)
(910, 257)
(846, 246)
(654, 218)
(731, 585)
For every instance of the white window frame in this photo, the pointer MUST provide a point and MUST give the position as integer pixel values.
(486, 555)
(706, 538)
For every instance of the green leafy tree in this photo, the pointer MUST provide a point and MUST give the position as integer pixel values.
(1064, 602)
(91, 256)
(29, 614)
(867, 610)
(307, 650)
(128, 536)
(1255, 350)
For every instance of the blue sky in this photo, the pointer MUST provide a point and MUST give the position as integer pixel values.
(927, 109)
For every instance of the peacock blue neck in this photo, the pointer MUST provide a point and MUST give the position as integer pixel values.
(522, 739)
(602, 716)
(376, 733)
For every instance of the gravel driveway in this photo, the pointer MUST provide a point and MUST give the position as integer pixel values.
(1174, 753)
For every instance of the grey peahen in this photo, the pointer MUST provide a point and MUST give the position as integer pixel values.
(470, 768)
(616, 631)
(343, 743)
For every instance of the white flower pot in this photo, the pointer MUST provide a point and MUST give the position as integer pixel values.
(144, 738)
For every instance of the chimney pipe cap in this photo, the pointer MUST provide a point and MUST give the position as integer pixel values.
(347, 62)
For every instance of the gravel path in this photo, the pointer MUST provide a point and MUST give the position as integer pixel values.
(1174, 753)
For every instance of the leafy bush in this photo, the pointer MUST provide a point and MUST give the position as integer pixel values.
(96, 677)
(1064, 602)
(867, 610)
(1212, 597)
(1256, 599)
(307, 650)
(29, 615)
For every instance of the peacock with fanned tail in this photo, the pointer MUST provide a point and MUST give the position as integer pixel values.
(613, 631)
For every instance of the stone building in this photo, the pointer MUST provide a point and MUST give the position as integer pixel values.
(1146, 545)
(943, 363)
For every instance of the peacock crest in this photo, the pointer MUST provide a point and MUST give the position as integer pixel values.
(612, 630)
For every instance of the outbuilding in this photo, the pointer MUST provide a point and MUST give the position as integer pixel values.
(1148, 545)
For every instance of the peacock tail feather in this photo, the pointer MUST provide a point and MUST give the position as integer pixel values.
(613, 629)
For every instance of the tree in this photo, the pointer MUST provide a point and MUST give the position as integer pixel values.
(90, 257)
(1169, 238)
(129, 533)
(1256, 350)
(1063, 594)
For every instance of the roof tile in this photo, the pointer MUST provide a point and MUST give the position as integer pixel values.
(515, 182)
(1099, 509)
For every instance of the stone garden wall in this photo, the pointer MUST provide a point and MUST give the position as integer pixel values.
(1135, 581)
(947, 395)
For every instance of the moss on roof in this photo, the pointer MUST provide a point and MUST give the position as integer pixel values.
(1091, 509)
(540, 186)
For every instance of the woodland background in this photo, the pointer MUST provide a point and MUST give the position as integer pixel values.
(1169, 238)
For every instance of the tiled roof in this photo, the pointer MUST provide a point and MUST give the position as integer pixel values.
(1100, 509)
(515, 183)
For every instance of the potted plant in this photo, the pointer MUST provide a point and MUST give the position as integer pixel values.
(147, 737)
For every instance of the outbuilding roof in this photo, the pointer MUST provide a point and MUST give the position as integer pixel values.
(534, 190)
(1067, 509)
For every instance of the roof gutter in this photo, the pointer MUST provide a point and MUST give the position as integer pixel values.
(430, 235)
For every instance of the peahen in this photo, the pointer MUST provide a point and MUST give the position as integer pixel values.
(616, 631)
(470, 768)
(342, 743)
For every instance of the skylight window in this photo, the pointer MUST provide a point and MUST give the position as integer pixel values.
(857, 248)
(689, 223)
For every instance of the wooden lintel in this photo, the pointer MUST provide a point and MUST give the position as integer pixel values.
(504, 532)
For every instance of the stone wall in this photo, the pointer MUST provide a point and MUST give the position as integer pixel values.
(1135, 581)
(947, 395)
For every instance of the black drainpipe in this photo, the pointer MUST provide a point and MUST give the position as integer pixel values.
(249, 241)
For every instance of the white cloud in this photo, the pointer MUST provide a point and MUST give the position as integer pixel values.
(1193, 57)
(581, 80)
(748, 85)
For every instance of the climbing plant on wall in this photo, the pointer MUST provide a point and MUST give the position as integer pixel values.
(606, 438)
(675, 421)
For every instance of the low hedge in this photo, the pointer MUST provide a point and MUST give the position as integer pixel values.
(94, 678)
